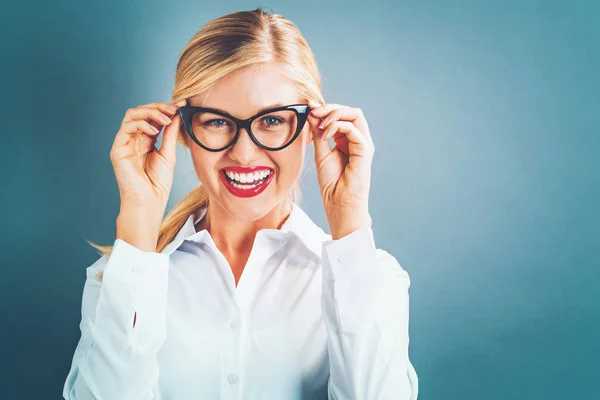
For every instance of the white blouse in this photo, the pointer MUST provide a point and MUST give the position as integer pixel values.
(311, 318)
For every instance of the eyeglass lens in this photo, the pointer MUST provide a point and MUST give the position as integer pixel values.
(272, 130)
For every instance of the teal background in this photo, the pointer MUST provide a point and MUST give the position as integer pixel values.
(485, 117)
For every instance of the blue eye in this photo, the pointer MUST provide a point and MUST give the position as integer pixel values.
(210, 123)
(274, 120)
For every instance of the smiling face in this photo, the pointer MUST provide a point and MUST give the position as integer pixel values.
(264, 178)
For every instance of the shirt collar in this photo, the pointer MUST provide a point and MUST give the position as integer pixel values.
(298, 225)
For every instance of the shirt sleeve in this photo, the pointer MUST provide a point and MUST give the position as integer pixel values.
(365, 305)
(115, 359)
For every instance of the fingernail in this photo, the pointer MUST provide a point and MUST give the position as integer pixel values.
(323, 123)
(172, 108)
(166, 120)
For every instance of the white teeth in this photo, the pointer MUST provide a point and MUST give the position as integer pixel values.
(247, 181)
(237, 185)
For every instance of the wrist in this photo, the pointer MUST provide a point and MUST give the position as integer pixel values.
(138, 229)
(345, 223)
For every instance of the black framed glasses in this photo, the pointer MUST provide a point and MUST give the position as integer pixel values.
(273, 129)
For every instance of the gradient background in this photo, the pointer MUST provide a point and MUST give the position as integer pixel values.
(485, 115)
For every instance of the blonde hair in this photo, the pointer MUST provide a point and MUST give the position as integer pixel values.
(226, 45)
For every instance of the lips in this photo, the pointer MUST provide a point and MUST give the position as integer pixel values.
(246, 181)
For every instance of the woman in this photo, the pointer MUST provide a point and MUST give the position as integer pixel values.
(237, 293)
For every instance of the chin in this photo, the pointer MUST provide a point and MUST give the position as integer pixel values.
(249, 209)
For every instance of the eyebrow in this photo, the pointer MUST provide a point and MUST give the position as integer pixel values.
(257, 112)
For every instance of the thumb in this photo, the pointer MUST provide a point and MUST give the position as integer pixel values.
(322, 148)
(168, 149)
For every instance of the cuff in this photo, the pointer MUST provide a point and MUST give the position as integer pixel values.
(352, 280)
(135, 282)
(350, 254)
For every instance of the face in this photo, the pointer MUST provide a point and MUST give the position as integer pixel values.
(242, 95)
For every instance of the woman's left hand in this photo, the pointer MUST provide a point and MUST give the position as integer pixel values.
(344, 172)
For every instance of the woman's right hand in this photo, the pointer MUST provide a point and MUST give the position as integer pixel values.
(145, 174)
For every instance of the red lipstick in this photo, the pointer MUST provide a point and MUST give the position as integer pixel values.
(252, 187)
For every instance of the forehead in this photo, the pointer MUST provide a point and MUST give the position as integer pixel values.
(245, 92)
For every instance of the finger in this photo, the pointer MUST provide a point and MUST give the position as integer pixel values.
(354, 115)
(316, 115)
(148, 114)
(168, 148)
(166, 107)
(159, 121)
(357, 143)
(341, 143)
(325, 109)
(143, 126)
(314, 104)
(313, 123)
(169, 109)
(322, 149)
(133, 127)
(315, 120)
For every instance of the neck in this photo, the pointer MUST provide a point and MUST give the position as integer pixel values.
(233, 235)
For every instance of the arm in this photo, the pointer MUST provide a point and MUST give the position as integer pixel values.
(366, 307)
(115, 359)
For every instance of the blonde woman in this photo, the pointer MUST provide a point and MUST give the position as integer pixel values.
(236, 293)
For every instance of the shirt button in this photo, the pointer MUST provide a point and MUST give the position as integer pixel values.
(341, 259)
(233, 324)
(232, 379)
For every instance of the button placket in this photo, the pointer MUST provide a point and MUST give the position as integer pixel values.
(230, 367)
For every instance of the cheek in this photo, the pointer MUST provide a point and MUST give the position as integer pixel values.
(205, 163)
(289, 162)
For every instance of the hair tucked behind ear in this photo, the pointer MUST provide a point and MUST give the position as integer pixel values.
(226, 45)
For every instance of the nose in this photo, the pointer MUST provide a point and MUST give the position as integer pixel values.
(244, 150)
